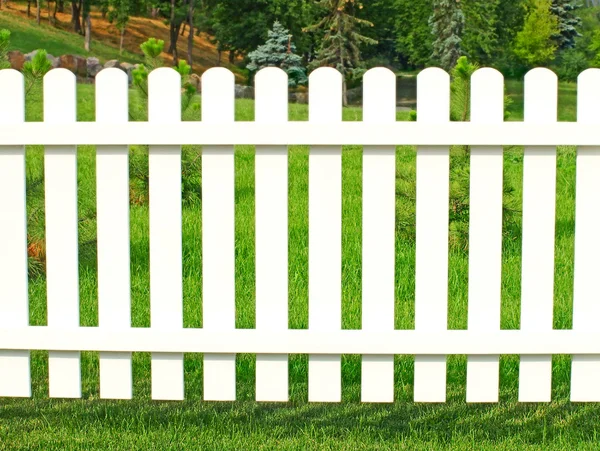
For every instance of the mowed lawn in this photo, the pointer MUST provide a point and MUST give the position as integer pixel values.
(42, 423)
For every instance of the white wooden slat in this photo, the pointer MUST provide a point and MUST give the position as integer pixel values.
(539, 202)
(62, 261)
(166, 284)
(271, 181)
(585, 376)
(431, 283)
(485, 234)
(378, 234)
(325, 234)
(15, 377)
(218, 233)
(112, 194)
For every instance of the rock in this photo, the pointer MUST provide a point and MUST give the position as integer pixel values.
(29, 56)
(54, 60)
(244, 92)
(301, 97)
(128, 68)
(196, 81)
(354, 95)
(94, 70)
(16, 59)
(74, 63)
(91, 63)
(112, 63)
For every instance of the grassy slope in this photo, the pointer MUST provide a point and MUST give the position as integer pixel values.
(41, 423)
(28, 36)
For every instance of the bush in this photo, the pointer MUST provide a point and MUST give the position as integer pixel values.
(572, 63)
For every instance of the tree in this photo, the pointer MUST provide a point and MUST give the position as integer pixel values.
(88, 25)
(480, 39)
(568, 23)
(119, 12)
(414, 40)
(534, 44)
(340, 46)
(447, 24)
(4, 44)
(279, 51)
(510, 16)
(76, 6)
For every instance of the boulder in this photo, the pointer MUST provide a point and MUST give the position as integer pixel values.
(244, 92)
(128, 67)
(74, 63)
(91, 63)
(196, 81)
(301, 97)
(112, 63)
(94, 70)
(16, 59)
(354, 95)
(54, 60)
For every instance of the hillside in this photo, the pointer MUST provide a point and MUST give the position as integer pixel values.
(60, 40)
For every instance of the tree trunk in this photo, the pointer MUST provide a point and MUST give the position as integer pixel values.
(88, 32)
(191, 33)
(54, 13)
(49, 14)
(183, 29)
(231, 56)
(173, 35)
(218, 56)
(38, 12)
(75, 16)
(344, 93)
(28, 8)
(121, 41)
(154, 13)
(61, 6)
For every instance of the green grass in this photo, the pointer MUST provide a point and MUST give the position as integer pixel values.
(26, 38)
(42, 423)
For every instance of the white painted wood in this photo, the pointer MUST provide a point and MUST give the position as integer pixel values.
(218, 233)
(112, 195)
(271, 181)
(303, 341)
(585, 376)
(378, 234)
(303, 133)
(166, 284)
(325, 235)
(62, 262)
(539, 202)
(431, 283)
(15, 377)
(485, 234)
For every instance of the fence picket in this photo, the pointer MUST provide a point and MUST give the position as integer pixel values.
(485, 234)
(271, 181)
(325, 234)
(166, 290)
(15, 377)
(218, 233)
(431, 266)
(539, 199)
(112, 194)
(586, 309)
(378, 234)
(62, 260)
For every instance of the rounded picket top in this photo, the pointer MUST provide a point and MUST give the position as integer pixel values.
(588, 96)
(487, 95)
(218, 95)
(433, 95)
(164, 95)
(112, 95)
(325, 95)
(60, 96)
(271, 95)
(379, 95)
(540, 96)
(12, 92)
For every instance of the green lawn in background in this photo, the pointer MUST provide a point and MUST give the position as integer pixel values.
(42, 423)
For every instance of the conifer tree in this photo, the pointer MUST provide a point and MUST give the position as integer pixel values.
(534, 44)
(279, 51)
(568, 23)
(447, 24)
(340, 46)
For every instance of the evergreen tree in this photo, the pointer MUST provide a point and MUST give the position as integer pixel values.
(480, 40)
(447, 24)
(568, 23)
(279, 51)
(340, 46)
(414, 40)
(534, 44)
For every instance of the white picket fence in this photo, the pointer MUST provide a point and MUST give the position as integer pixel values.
(324, 341)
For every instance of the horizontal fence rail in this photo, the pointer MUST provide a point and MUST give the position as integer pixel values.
(324, 341)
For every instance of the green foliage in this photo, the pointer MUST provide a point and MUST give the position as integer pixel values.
(34, 71)
(414, 39)
(480, 38)
(460, 89)
(447, 25)
(4, 44)
(534, 44)
(572, 63)
(594, 48)
(279, 51)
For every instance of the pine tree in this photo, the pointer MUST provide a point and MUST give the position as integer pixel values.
(447, 24)
(534, 44)
(340, 46)
(279, 51)
(480, 40)
(568, 23)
